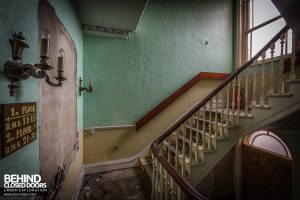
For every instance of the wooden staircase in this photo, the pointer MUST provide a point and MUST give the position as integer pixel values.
(248, 100)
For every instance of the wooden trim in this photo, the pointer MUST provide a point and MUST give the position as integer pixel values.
(173, 97)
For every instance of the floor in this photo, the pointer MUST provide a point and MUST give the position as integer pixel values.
(124, 184)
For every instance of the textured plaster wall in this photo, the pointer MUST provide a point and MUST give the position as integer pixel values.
(16, 16)
(168, 48)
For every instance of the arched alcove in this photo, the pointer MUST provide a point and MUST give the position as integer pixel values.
(266, 167)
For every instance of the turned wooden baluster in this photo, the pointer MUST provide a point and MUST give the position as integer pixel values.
(204, 127)
(293, 58)
(222, 113)
(169, 151)
(197, 137)
(272, 75)
(216, 115)
(191, 139)
(167, 189)
(161, 182)
(227, 104)
(183, 129)
(176, 150)
(154, 179)
(210, 125)
(281, 83)
(254, 85)
(246, 94)
(173, 189)
(262, 92)
(238, 100)
(233, 101)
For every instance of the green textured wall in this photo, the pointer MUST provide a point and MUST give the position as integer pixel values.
(18, 16)
(15, 16)
(168, 48)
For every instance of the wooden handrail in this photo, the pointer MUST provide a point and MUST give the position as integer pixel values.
(185, 186)
(173, 97)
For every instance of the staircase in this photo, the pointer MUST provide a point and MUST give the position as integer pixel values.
(253, 96)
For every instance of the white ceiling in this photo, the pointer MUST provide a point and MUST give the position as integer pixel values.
(115, 18)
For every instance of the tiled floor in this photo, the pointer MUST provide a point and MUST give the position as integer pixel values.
(125, 184)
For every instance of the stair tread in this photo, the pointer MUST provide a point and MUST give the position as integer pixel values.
(296, 81)
(260, 106)
(242, 113)
(280, 95)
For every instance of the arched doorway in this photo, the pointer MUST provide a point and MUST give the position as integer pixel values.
(266, 167)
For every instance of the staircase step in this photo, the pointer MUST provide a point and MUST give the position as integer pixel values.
(235, 113)
(296, 81)
(280, 95)
(260, 107)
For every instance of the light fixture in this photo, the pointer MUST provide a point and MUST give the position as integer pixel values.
(16, 71)
(81, 88)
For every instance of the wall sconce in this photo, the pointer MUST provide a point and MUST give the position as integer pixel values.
(16, 71)
(81, 88)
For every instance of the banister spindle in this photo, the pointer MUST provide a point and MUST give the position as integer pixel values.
(233, 100)
(216, 115)
(191, 139)
(176, 150)
(272, 75)
(210, 125)
(203, 128)
(227, 104)
(222, 113)
(254, 85)
(173, 190)
(281, 86)
(183, 128)
(166, 185)
(169, 151)
(262, 92)
(293, 58)
(246, 100)
(161, 182)
(239, 98)
(197, 137)
(155, 179)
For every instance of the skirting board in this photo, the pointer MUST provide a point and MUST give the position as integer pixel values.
(79, 184)
(105, 166)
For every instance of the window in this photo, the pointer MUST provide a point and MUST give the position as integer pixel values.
(261, 21)
(269, 141)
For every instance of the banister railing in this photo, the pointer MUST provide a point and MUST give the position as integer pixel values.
(168, 182)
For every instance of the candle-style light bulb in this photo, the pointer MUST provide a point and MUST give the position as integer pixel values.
(45, 44)
(60, 60)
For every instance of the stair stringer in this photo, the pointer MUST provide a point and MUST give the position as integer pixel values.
(280, 107)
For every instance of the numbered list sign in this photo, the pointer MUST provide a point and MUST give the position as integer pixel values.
(17, 126)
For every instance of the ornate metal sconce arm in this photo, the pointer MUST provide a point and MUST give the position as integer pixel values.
(81, 88)
(32, 71)
(59, 78)
(47, 79)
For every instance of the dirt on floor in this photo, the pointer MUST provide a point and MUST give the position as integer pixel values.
(124, 184)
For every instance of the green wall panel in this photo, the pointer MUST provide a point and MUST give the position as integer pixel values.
(168, 48)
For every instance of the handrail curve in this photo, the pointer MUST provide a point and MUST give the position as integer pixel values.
(184, 185)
